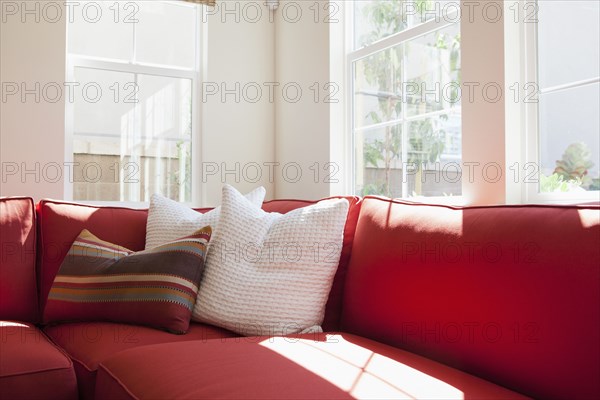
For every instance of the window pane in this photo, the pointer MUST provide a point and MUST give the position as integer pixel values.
(425, 10)
(425, 163)
(101, 29)
(158, 167)
(377, 87)
(166, 34)
(374, 20)
(569, 139)
(434, 156)
(377, 19)
(433, 71)
(568, 41)
(127, 151)
(166, 107)
(378, 165)
(103, 102)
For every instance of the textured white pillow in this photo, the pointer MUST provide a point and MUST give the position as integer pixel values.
(169, 220)
(270, 273)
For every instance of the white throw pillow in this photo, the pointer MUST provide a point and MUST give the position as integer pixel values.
(270, 273)
(169, 220)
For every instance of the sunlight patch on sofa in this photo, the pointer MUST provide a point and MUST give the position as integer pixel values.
(589, 217)
(4, 324)
(359, 371)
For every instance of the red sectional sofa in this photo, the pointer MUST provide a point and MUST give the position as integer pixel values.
(428, 301)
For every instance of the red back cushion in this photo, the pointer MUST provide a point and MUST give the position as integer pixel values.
(18, 290)
(61, 222)
(509, 293)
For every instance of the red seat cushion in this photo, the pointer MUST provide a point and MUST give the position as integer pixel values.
(88, 344)
(308, 366)
(32, 367)
(509, 293)
(18, 289)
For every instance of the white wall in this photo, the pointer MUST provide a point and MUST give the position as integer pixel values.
(483, 124)
(31, 130)
(302, 128)
(238, 134)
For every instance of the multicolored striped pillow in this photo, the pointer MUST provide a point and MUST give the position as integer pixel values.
(100, 281)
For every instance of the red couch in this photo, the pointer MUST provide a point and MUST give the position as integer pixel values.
(428, 301)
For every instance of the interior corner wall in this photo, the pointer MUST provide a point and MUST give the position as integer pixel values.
(32, 120)
(302, 118)
(237, 109)
(483, 108)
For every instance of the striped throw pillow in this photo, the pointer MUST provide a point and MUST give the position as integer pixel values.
(100, 281)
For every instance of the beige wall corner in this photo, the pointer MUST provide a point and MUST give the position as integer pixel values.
(483, 156)
(32, 107)
(302, 120)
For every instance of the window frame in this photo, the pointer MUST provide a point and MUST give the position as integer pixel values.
(529, 113)
(136, 67)
(353, 55)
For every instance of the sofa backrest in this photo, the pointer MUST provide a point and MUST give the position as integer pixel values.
(508, 293)
(61, 222)
(18, 290)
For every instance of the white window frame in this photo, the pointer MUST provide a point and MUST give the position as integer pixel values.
(193, 74)
(530, 120)
(354, 55)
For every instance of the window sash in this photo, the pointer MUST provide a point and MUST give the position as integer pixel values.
(399, 37)
(76, 61)
(380, 45)
(135, 67)
(530, 189)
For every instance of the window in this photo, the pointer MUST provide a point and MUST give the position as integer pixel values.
(405, 112)
(131, 125)
(563, 127)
